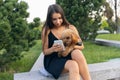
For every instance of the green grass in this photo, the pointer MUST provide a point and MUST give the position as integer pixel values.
(96, 53)
(109, 36)
(24, 64)
(29, 58)
(102, 53)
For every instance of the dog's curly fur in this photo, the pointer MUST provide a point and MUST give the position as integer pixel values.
(70, 39)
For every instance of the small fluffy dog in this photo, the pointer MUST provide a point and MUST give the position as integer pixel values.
(70, 39)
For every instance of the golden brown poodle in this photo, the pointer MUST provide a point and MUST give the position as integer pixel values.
(70, 39)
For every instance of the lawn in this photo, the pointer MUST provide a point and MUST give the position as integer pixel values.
(109, 36)
(93, 53)
(96, 53)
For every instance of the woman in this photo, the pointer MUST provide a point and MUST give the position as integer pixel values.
(75, 62)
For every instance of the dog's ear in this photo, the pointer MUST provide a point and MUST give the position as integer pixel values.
(75, 37)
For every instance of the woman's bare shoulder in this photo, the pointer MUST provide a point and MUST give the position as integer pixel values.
(45, 32)
(72, 27)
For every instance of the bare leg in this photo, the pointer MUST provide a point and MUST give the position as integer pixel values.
(78, 56)
(72, 67)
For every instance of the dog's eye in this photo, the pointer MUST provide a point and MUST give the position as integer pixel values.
(67, 38)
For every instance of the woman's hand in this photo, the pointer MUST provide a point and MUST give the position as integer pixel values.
(57, 47)
(79, 47)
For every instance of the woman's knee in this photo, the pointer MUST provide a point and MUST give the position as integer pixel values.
(72, 66)
(77, 55)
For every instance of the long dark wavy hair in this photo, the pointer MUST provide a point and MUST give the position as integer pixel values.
(54, 8)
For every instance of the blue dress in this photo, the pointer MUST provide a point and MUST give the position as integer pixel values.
(53, 63)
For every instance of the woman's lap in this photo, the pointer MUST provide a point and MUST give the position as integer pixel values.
(56, 66)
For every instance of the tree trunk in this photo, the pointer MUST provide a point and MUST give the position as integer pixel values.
(118, 29)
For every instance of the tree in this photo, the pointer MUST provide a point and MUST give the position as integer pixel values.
(114, 4)
(109, 14)
(16, 34)
(104, 24)
(84, 14)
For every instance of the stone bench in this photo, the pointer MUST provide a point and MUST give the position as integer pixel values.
(108, 42)
(34, 73)
(99, 71)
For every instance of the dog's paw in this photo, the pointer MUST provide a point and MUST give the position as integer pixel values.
(64, 54)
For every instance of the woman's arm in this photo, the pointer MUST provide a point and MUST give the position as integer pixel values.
(81, 47)
(46, 50)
